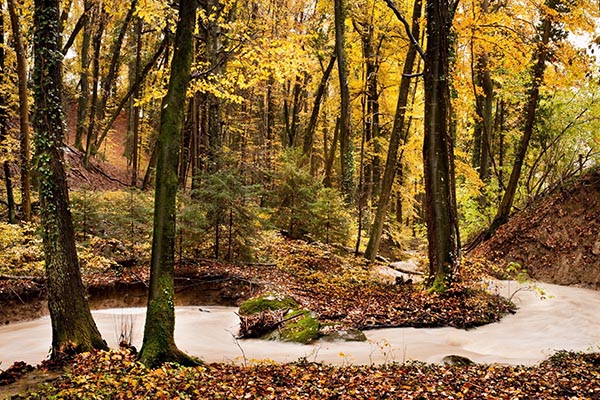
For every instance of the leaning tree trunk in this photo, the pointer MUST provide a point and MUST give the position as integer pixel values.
(91, 145)
(396, 138)
(82, 102)
(532, 102)
(314, 115)
(73, 329)
(438, 153)
(159, 342)
(25, 146)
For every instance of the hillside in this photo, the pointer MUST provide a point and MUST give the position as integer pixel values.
(556, 240)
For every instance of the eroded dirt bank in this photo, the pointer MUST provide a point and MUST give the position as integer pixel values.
(557, 240)
(25, 300)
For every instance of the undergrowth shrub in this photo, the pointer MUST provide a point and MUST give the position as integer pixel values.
(125, 216)
(21, 250)
(222, 215)
(302, 206)
(113, 214)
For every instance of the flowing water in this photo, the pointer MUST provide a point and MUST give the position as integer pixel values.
(567, 319)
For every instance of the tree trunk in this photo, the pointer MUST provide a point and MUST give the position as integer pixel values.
(438, 152)
(395, 139)
(370, 171)
(109, 80)
(484, 100)
(214, 48)
(135, 123)
(10, 201)
(82, 102)
(159, 342)
(297, 101)
(532, 102)
(190, 133)
(346, 148)
(73, 329)
(125, 99)
(327, 181)
(91, 145)
(314, 115)
(150, 169)
(25, 145)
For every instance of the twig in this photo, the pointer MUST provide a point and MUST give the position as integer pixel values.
(139, 279)
(17, 294)
(237, 343)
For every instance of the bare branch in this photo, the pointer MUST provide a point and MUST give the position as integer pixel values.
(401, 18)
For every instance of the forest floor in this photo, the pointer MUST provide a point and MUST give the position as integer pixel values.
(343, 290)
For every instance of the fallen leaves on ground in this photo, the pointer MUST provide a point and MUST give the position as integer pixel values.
(341, 289)
(14, 372)
(117, 375)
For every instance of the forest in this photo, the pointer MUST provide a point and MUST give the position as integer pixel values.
(333, 169)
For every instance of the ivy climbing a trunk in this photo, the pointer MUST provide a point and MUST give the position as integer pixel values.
(159, 342)
(73, 328)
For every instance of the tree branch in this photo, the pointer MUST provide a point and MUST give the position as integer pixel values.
(401, 18)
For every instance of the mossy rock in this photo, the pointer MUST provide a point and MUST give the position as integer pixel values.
(269, 301)
(300, 327)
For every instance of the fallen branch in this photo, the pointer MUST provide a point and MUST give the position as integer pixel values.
(256, 264)
(256, 325)
(38, 279)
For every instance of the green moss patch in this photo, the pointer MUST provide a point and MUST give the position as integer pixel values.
(299, 326)
(269, 301)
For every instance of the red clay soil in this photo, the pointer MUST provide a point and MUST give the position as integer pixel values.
(556, 240)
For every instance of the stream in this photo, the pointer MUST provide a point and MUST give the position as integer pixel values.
(566, 318)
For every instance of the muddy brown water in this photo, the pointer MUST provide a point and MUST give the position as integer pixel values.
(564, 318)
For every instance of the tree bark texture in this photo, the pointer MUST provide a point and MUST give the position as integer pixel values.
(159, 343)
(73, 329)
(438, 152)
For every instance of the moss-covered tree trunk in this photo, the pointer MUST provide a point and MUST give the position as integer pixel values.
(73, 329)
(159, 342)
(438, 153)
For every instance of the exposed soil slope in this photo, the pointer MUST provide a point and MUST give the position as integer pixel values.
(556, 240)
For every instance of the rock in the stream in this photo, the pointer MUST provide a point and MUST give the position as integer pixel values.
(454, 359)
(269, 301)
(345, 335)
(298, 326)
